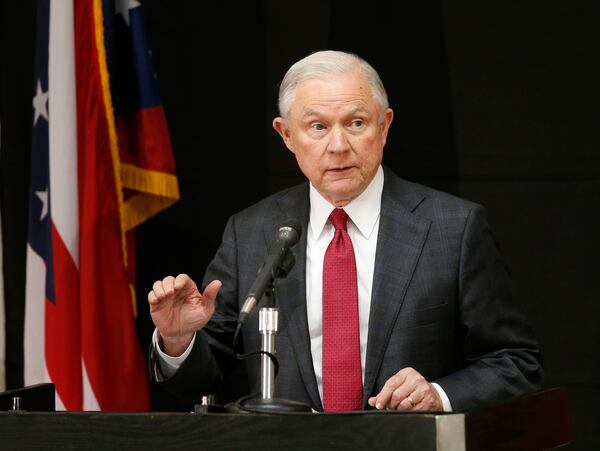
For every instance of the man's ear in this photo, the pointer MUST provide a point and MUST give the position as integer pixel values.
(387, 121)
(280, 127)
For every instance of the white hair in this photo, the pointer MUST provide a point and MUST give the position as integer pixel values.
(324, 65)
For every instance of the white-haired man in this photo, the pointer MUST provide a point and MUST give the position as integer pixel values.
(398, 298)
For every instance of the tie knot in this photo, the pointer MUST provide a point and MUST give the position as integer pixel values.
(338, 218)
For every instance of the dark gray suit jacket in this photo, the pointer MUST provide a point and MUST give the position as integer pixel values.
(441, 303)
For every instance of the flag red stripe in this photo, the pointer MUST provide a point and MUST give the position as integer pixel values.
(62, 343)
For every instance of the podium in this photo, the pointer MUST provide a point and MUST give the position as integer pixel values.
(535, 422)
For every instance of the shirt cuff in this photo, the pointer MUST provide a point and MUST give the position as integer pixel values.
(445, 401)
(168, 364)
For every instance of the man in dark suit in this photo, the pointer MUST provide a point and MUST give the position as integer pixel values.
(426, 297)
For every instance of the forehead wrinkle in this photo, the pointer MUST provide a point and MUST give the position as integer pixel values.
(311, 111)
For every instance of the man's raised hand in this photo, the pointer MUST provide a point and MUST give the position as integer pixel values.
(178, 310)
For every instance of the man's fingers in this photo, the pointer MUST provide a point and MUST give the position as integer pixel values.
(417, 391)
(414, 399)
(158, 289)
(183, 281)
(211, 290)
(423, 397)
(421, 393)
(162, 289)
(407, 403)
(168, 285)
(399, 396)
(383, 399)
(152, 298)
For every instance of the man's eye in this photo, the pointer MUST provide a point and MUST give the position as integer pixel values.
(318, 127)
(357, 123)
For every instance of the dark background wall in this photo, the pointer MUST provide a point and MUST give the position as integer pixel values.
(495, 101)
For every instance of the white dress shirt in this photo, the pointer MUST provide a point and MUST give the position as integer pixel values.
(363, 228)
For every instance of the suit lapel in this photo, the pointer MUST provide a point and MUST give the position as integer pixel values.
(400, 241)
(292, 306)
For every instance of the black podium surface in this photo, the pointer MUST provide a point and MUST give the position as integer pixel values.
(536, 422)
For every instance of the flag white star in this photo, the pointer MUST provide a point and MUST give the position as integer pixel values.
(43, 197)
(123, 6)
(39, 103)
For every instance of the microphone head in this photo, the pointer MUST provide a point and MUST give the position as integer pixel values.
(289, 231)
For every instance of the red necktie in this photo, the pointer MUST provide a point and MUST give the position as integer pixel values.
(342, 375)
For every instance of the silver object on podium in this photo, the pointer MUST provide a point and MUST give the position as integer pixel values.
(268, 325)
(16, 403)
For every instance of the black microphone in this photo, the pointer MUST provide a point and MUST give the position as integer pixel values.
(276, 265)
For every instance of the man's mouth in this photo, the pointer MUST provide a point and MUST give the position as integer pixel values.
(340, 170)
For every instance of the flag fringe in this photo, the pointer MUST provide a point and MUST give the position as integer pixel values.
(110, 118)
(157, 191)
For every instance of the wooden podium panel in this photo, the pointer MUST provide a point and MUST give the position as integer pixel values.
(520, 424)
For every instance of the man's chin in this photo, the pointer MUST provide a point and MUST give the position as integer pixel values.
(341, 192)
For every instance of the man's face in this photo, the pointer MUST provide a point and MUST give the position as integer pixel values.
(333, 129)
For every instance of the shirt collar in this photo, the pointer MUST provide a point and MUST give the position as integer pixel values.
(363, 211)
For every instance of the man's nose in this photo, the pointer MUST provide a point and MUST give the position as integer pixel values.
(338, 141)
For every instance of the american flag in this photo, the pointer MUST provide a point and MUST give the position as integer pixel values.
(101, 163)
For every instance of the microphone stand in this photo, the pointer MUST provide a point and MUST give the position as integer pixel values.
(268, 325)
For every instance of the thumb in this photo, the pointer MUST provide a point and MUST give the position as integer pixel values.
(211, 290)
